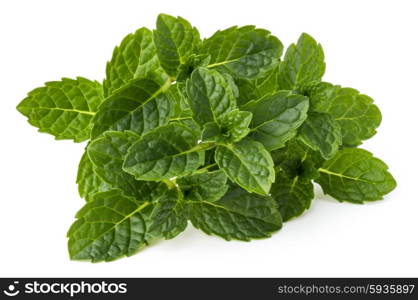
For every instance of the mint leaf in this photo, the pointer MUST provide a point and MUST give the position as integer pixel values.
(302, 64)
(168, 216)
(238, 215)
(293, 195)
(248, 164)
(297, 159)
(206, 186)
(136, 57)
(210, 95)
(63, 108)
(221, 132)
(354, 175)
(110, 226)
(276, 118)
(245, 52)
(175, 40)
(140, 107)
(89, 183)
(258, 88)
(233, 127)
(166, 152)
(321, 132)
(356, 114)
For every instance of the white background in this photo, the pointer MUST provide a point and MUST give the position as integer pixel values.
(369, 45)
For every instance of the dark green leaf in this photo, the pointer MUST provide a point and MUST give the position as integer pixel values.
(354, 175)
(210, 95)
(248, 164)
(237, 215)
(245, 52)
(321, 132)
(139, 106)
(110, 226)
(168, 216)
(297, 159)
(356, 114)
(276, 118)
(293, 195)
(207, 186)
(89, 183)
(302, 64)
(63, 108)
(165, 152)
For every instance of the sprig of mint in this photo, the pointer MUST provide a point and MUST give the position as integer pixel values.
(221, 132)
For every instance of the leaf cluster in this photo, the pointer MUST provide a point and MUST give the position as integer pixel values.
(224, 132)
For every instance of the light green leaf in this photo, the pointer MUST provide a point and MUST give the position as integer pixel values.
(139, 106)
(175, 40)
(207, 186)
(356, 114)
(321, 132)
(238, 215)
(210, 96)
(293, 195)
(136, 57)
(248, 164)
(276, 118)
(110, 226)
(63, 108)
(258, 88)
(165, 152)
(302, 64)
(89, 183)
(354, 175)
(246, 52)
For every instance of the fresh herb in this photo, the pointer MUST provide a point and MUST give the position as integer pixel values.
(221, 132)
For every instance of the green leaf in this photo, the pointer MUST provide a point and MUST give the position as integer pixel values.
(136, 57)
(165, 152)
(246, 52)
(248, 164)
(293, 195)
(63, 108)
(233, 127)
(354, 175)
(89, 183)
(175, 40)
(276, 118)
(140, 106)
(302, 64)
(258, 88)
(297, 159)
(238, 215)
(180, 108)
(110, 226)
(207, 186)
(113, 225)
(168, 216)
(356, 114)
(210, 96)
(193, 62)
(321, 132)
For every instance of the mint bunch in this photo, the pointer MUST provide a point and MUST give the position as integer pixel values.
(222, 132)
